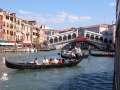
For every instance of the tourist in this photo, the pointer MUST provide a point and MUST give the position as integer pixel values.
(35, 61)
(50, 61)
(59, 61)
(62, 61)
(47, 61)
(56, 61)
(44, 61)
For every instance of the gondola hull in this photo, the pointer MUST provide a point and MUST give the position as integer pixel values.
(73, 57)
(21, 66)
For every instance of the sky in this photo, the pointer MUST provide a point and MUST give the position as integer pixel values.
(61, 14)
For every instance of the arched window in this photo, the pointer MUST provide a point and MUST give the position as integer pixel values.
(74, 35)
(56, 40)
(110, 41)
(64, 38)
(92, 37)
(60, 38)
(101, 39)
(96, 37)
(51, 40)
(105, 40)
(69, 37)
(87, 35)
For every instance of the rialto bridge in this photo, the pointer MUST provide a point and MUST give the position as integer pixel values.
(97, 37)
(62, 38)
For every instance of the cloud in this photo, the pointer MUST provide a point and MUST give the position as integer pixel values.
(112, 4)
(24, 12)
(73, 18)
(85, 17)
(56, 18)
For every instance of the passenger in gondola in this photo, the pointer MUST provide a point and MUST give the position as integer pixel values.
(50, 61)
(56, 61)
(47, 61)
(35, 61)
(63, 61)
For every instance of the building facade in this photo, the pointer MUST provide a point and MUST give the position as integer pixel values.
(97, 28)
(20, 31)
(8, 26)
(102, 32)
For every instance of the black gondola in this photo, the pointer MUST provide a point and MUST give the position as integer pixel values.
(101, 53)
(15, 65)
(67, 56)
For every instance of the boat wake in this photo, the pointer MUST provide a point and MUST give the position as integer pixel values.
(4, 77)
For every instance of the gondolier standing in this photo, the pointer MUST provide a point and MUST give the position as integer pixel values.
(78, 52)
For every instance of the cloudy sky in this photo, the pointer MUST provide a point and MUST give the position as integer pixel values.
(63, 13)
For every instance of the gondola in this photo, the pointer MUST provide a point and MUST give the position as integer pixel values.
(68, 56)
(21, 66)
(101, 53)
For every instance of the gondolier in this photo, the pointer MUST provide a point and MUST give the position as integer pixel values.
(78, 52)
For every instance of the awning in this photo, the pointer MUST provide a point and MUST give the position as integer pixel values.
(7, 44)
(27, 44)
(80, 39)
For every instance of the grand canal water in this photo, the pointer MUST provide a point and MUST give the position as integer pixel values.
(93, 73)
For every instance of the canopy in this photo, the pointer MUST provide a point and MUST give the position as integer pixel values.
(5, 43)
(81, 39)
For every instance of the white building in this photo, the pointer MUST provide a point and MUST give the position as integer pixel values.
(104, 32)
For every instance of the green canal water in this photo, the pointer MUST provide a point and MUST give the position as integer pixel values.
(92, 73)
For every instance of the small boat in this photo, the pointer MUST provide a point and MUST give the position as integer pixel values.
(68, 55)
(101, 53)
(47, 49)
(16, 65)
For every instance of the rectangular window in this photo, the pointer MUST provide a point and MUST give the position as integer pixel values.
(34, 33)
(11, 19)
(11, 33)
(18, 22)
(11, 26)
(7, 17)
(4, 24)
(7, 31)
(1, 17)
(7, 24)
(15, 19)
(3, 30)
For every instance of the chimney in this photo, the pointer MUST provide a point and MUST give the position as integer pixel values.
(13, 14)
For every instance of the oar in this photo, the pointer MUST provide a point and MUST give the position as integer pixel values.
(3, 60)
